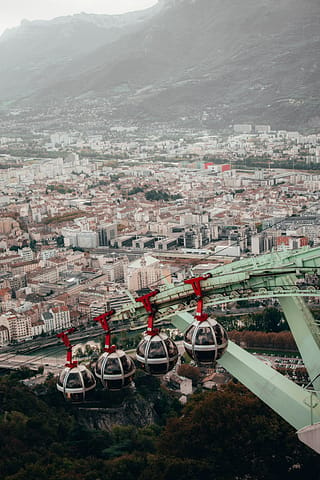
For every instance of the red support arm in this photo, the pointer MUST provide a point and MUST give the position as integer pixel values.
(199, 315)
(64, 337)
(196, 285)
(150, 308)
(102, 319)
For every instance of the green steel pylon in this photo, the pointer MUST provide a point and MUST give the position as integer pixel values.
(269, 276)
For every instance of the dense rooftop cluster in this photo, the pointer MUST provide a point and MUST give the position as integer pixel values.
(79, 229)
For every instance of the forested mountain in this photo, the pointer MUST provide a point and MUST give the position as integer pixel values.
(215, 62)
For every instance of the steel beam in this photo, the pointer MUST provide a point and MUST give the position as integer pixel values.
(305, 332)
(297, 406)
(258, 273)
(293, 403)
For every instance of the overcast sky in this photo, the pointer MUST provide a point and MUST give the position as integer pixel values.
(13, 11)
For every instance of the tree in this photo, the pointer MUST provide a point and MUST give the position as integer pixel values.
(154, 195)
(191, 372)
(272, 319)
(135, 190)
(60, 241)
(230, 424)
(219, 435)
(33, 244)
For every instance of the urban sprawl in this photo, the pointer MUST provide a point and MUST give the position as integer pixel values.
(87, 220)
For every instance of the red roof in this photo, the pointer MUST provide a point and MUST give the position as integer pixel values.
(63, 308)
(4, 292)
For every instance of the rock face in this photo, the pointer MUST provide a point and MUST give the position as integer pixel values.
(201, 62)
(137, 412)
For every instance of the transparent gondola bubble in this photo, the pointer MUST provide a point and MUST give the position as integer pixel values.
(114, 368)
(156, 353)
(75, 380)
(205, 341)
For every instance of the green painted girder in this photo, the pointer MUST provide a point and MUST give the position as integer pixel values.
(302, 257)
(272, 275)
(299, 406)
(305, 331)
(292, 402)
(244, 282)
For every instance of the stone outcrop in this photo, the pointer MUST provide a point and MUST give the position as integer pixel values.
(133, 411)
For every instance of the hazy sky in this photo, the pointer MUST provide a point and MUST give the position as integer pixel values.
(13, 11)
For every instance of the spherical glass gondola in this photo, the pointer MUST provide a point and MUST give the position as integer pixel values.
(205, 341)
(156, 354)
(75, 382)
(115, 370)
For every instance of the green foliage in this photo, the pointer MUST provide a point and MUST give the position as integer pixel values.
(233, 424)
(127, 340)
(243, 303)
(259, 227)
(191, 372)
(77, 249)
(146, 383)
(223, 435)
(116, 176)
(60, 241)
(22, 373)
(270, 320)
(154, 195)
(262, 162)
(135, 190)
(163, 467)
(33, 245)
(59, 188)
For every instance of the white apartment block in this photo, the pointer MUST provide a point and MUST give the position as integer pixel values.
(61, 317)
(146, 272)
(18, 326)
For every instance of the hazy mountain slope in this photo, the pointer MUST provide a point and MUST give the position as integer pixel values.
(217, 61)
(36, 52)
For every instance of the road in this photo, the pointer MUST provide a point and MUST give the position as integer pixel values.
(50, 364)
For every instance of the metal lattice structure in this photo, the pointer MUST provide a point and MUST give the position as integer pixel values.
(282, 275)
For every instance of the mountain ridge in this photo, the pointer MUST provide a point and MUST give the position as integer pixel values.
(201, 62)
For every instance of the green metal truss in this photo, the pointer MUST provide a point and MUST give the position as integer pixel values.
(250, 278)
(278, 275)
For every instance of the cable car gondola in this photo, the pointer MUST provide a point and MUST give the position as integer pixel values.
(156, 353)
(205, 340)
(75, 380)
(114, 368)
